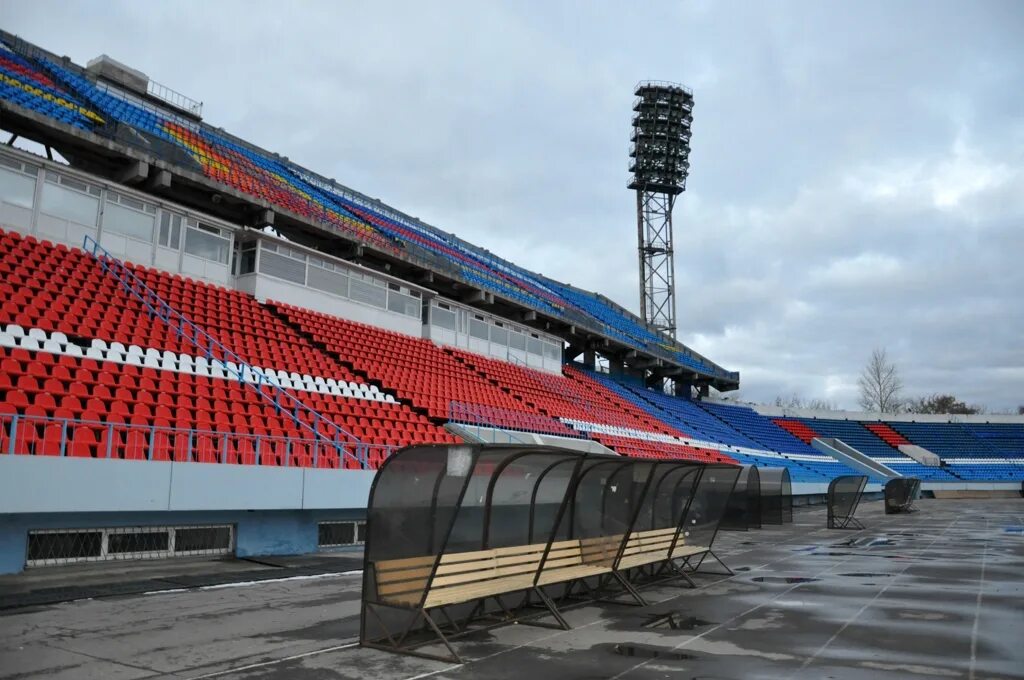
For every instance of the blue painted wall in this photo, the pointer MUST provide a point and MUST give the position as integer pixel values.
(257, 532)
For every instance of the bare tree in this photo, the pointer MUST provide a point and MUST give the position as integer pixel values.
(796, 401)
(880, 384)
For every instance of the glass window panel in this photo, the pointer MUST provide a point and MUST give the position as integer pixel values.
(282, 267)
(478, 329)
(16, 188)
(207, 246)
(69, 205)
(328, 281)
(443, 318)
(367, 293)
(122, 220)
(499, 335)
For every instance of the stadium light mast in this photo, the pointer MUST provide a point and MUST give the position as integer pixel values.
(660, 161)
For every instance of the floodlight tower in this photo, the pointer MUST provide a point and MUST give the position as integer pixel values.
(660, 161)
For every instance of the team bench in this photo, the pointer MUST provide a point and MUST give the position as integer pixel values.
(465, 537)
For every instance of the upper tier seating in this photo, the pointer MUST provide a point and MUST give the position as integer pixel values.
(268, 177)
(24, 84)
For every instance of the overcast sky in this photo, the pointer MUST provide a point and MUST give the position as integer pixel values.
(857, 174)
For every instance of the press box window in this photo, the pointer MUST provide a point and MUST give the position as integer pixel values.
(170, 231)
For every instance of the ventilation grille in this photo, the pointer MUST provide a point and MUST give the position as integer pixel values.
(54, 547)
(336, 534)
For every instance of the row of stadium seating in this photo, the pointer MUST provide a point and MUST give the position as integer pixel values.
(76, 347)
(270, 178)
(53, 314)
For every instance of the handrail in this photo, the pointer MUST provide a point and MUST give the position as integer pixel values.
(208, 345)
(15, 440)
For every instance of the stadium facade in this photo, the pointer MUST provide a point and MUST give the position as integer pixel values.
(177, 378)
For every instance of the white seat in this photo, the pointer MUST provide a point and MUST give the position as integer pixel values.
(99, 344)
(169, 363)
(59, 337)
(8, 340)
(334, 389)
(73, 350)
(373, 389)
(53, 346)
(331, 382)
(136, 350)
(171, 355)
(388, 398)
(294, 377)
(153, 353)
(37, 333)
(114, 355)
(133, 359)
(15, 330)
(96, 353)
(28, 343)
(319, 380)
(116, 346)
(347, 393)
(151, 362)
(202, 369)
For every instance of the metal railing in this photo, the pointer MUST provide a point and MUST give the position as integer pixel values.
(174, 98)
(321, 427)
(60, 437)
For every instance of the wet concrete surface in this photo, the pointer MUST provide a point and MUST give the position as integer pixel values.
(935, 594)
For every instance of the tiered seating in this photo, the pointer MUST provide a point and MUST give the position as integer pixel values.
(682, 413)
(1008, 438)
(887, 434)
(639, 448)
(57, 301)
(589, 407)
(968, 457)
(762, 430)
(797, 428)
(417, 371)
(286, 186)
(859, 437)
(25, 85)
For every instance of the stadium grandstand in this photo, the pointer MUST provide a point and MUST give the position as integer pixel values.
(173, 298)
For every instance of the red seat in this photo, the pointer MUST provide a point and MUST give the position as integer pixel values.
(51, 444)
(206, 450)
(136, 445)
(83, 443)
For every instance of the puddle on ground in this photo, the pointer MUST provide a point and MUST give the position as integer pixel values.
(868, 574)
(832, 554)
(784, 579)
(869, 542)
(676, 621)
(742, 569)
(651, 652)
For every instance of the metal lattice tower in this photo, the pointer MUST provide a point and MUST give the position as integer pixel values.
(660, 161)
